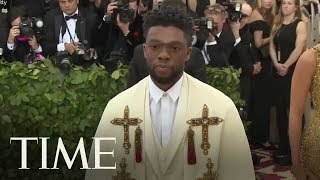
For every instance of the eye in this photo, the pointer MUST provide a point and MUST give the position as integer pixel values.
(175, 48)
(154, 46)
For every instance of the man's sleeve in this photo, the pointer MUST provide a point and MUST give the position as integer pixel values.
(103, 130)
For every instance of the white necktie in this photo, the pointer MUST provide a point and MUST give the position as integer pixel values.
(165, 119)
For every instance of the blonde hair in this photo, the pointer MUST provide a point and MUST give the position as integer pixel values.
(279, 17)
(268, 15)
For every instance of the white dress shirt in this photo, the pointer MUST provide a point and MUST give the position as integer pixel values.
(163, 108)
(71, 23)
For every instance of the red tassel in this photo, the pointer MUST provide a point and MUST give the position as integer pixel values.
(138, 156)
(138, 147)
(192, 158)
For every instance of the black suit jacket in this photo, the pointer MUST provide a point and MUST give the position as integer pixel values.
(18, 53)
(138, 66)
(220, 53)
(85, 28)
(243, 56)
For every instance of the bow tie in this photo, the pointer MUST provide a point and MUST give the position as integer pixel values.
(75, 16)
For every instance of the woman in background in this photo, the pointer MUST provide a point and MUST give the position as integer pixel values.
(261, 22)
(288, 40)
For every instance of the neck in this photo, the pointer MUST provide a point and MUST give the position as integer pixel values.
(288, 19)
(166, 86)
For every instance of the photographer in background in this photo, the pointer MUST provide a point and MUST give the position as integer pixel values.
(122, 31)
(245, 56)
(219, 44)
(145, 6)
(69, 31)
(22, 44)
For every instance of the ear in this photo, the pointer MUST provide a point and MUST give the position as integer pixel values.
(224, 18)
(189, 51)
(144, 50)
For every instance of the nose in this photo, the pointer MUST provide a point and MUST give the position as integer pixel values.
(67, 4)
(164, 53)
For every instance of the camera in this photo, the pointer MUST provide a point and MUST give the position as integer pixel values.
(81, 51)
(125, 13)
(33, 57)
(30, 27)
(63, 61)
(234, 10)
(205, 23)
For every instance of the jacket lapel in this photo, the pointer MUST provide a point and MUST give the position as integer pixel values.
(58, 23)
(149, 139)
(179, 128)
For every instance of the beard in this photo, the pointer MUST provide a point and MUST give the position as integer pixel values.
(173, 77)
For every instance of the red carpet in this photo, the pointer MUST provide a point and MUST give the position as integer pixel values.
(267, 169)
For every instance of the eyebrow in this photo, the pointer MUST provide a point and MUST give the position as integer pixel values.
(158, 41)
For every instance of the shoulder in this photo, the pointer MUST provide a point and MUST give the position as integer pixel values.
(255, 16)
(301, 27)
(123, 97)
(209, 93)
(301, 24)
(308, 59)
(139, 49)
(53, 12)
(138, 55)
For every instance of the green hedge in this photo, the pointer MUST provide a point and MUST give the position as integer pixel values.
(39, 101)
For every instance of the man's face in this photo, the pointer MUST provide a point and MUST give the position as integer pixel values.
(219, 20)
(166, 51)
(69, 6)
(133, 5)
(16, 22)
(246, 13)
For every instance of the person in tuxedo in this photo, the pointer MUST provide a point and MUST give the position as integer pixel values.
(20, 46)
(69, 27)
(245, 56)
(219, 44)
(122, 34)
(138, 66)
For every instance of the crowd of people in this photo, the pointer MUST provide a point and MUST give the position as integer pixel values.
(264, 38)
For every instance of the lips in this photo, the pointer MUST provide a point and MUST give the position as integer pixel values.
(161, 64)
(161, 67)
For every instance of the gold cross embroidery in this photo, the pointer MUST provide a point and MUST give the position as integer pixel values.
(122, 174)
(210, 174)
(126, 122)
(205, 121)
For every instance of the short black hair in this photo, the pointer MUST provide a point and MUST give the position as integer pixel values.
(17, 11)
(169, 16)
